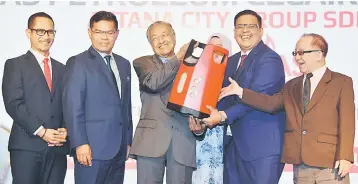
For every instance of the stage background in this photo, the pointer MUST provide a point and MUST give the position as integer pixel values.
(284, 23)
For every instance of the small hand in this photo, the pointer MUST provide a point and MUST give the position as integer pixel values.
(181, 54)
(344, 167)
(63, 133)
(195, 125)
(84, 155)
(214, 119)
(51, 136)
(232, 89)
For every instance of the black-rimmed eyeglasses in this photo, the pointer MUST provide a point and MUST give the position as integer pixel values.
(302, 52)
(251, 27)
(108, 33)
(42, 32)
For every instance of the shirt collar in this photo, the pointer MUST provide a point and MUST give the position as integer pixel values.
(103, 54)
(246, 53)
(319, 72)
(163, 59)
(39, 57)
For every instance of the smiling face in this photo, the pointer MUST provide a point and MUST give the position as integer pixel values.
(311, 60)
(41, 43)
(103, 35)
(162, 40)
(247, 32)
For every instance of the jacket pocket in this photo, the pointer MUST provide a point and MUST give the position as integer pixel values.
(146, 123)
(325, 138)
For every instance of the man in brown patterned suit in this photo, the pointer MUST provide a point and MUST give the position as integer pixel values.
(320, 118)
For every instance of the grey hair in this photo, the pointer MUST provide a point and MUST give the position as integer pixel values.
(156, 23)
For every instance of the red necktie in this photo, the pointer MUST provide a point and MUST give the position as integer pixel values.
(242, 60)
(47, 72)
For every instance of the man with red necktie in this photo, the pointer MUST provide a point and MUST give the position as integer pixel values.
(253, 140)
(32, 97)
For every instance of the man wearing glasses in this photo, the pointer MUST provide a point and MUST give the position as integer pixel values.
(97, 105)
(319, 105)
(253, 143)
(32, 97)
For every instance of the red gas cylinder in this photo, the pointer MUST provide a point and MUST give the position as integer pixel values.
(199, 80)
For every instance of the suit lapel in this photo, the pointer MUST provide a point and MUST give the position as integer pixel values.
(121, 66)
(297, 93)
(37, 69)
(157, 62)
(101, 66)
(320, 89)
(249, 60)
(55, 76)
(238, 69)
(232, 65)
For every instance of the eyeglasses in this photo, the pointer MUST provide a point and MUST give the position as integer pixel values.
(251, 27)
(163, 36)
(302, 52)
(108, 33)
(42, 32)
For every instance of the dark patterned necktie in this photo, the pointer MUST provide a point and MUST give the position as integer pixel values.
(307, 91)
(108, 61)
(242, 60)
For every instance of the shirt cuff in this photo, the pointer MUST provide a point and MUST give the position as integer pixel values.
(200, 133)
(241, 93)
(38, 130)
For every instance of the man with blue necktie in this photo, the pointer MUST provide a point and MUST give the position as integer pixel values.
(97, 106)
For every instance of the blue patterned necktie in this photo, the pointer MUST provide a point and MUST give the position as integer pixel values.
(108, 62)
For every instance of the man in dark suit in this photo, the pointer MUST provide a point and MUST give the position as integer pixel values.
(162, 138)
(32, 96)
(253, 146)
(97, 105)
(319, 105)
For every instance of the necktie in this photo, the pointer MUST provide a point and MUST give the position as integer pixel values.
(47, 73)
(108, 62)
(242, 60)
(307, 90)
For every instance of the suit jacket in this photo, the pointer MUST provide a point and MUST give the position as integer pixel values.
(256, 134)
(94, 112)
(158, 126)
(30, 103)
(325, 133)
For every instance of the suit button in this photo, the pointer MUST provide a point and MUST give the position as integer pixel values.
(52, 117)
(172, 127)
(121, 123)
(304, 132)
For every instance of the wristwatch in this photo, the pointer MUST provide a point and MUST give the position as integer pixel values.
(223, 120)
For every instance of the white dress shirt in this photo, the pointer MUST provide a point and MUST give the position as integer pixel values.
(114, 69)
(317, 76)
(40, 58)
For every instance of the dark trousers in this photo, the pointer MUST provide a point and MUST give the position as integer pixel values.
(45, 167)
(266, 170)
(102, 171)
